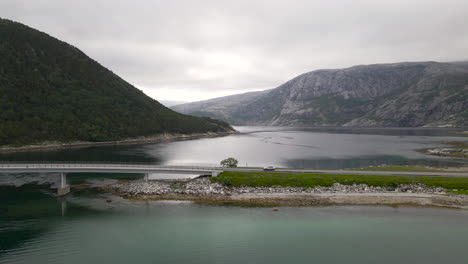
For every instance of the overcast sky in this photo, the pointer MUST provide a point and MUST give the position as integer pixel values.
(194, 50)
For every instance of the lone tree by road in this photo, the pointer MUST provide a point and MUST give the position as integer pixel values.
(229, 163)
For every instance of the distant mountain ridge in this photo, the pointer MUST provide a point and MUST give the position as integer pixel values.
(220, 107)
(51, 91)
(408, 94)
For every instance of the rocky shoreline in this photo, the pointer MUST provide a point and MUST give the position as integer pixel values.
(448, 152)
(458, 150)
(203, 190)
(141, 140)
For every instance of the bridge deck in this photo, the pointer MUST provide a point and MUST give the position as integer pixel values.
(139, 168)
(104, 168)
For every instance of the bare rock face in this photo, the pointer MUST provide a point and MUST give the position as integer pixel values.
(397, 95)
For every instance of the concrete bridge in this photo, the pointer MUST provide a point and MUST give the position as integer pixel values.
(64, 168)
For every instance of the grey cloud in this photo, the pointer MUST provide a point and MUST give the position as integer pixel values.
(233, 46)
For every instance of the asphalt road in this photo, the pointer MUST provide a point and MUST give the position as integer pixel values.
(358, 172)
(140, 168)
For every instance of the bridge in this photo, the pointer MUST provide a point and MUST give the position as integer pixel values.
(64, 168)
(146, 169)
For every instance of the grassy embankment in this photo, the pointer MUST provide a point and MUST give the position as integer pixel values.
(268, 179)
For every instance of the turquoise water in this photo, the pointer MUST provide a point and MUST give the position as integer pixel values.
(38, 228)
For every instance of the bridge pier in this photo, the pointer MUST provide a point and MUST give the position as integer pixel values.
(146, 177)
(63, 188)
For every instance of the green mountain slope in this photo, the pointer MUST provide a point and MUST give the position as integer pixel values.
(51, 91)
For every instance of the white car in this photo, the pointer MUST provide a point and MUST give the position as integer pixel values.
(269, 168)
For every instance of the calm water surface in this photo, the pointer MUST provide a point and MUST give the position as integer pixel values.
(84, 228)
(36, 227)
(320, 148)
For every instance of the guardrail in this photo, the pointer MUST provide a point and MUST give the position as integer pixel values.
(103, 162)
(104, 165)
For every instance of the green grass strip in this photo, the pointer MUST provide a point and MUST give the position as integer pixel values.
(269, 179)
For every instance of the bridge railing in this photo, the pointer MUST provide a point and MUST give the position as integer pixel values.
(31, 164)
(112, 162)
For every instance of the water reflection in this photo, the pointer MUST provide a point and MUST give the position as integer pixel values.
(121, 153)
(324, 148)
(329, 164)
(23, 215)
(92, 230)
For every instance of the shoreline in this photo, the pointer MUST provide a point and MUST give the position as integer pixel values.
(325, 199)
(158, 139)
(455, 149)
(203, 190)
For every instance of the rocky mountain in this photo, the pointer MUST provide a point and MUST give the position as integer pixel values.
(51, 91)
(409, 94)
(221, 107)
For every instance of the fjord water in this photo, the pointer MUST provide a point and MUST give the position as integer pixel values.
(317, 148)
(93, 227)
(84, 228)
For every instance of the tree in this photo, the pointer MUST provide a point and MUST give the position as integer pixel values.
(229, 163)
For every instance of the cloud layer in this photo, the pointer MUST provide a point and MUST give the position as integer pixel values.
(193, 50)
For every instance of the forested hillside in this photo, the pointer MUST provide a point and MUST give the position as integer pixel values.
(51, 91)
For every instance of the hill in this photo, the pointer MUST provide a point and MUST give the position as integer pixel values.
(221, 107)
(51, 91)
(409, 94)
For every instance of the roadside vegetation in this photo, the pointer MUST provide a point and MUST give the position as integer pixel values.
(464, 192)
(229, 163)
(270, 179)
